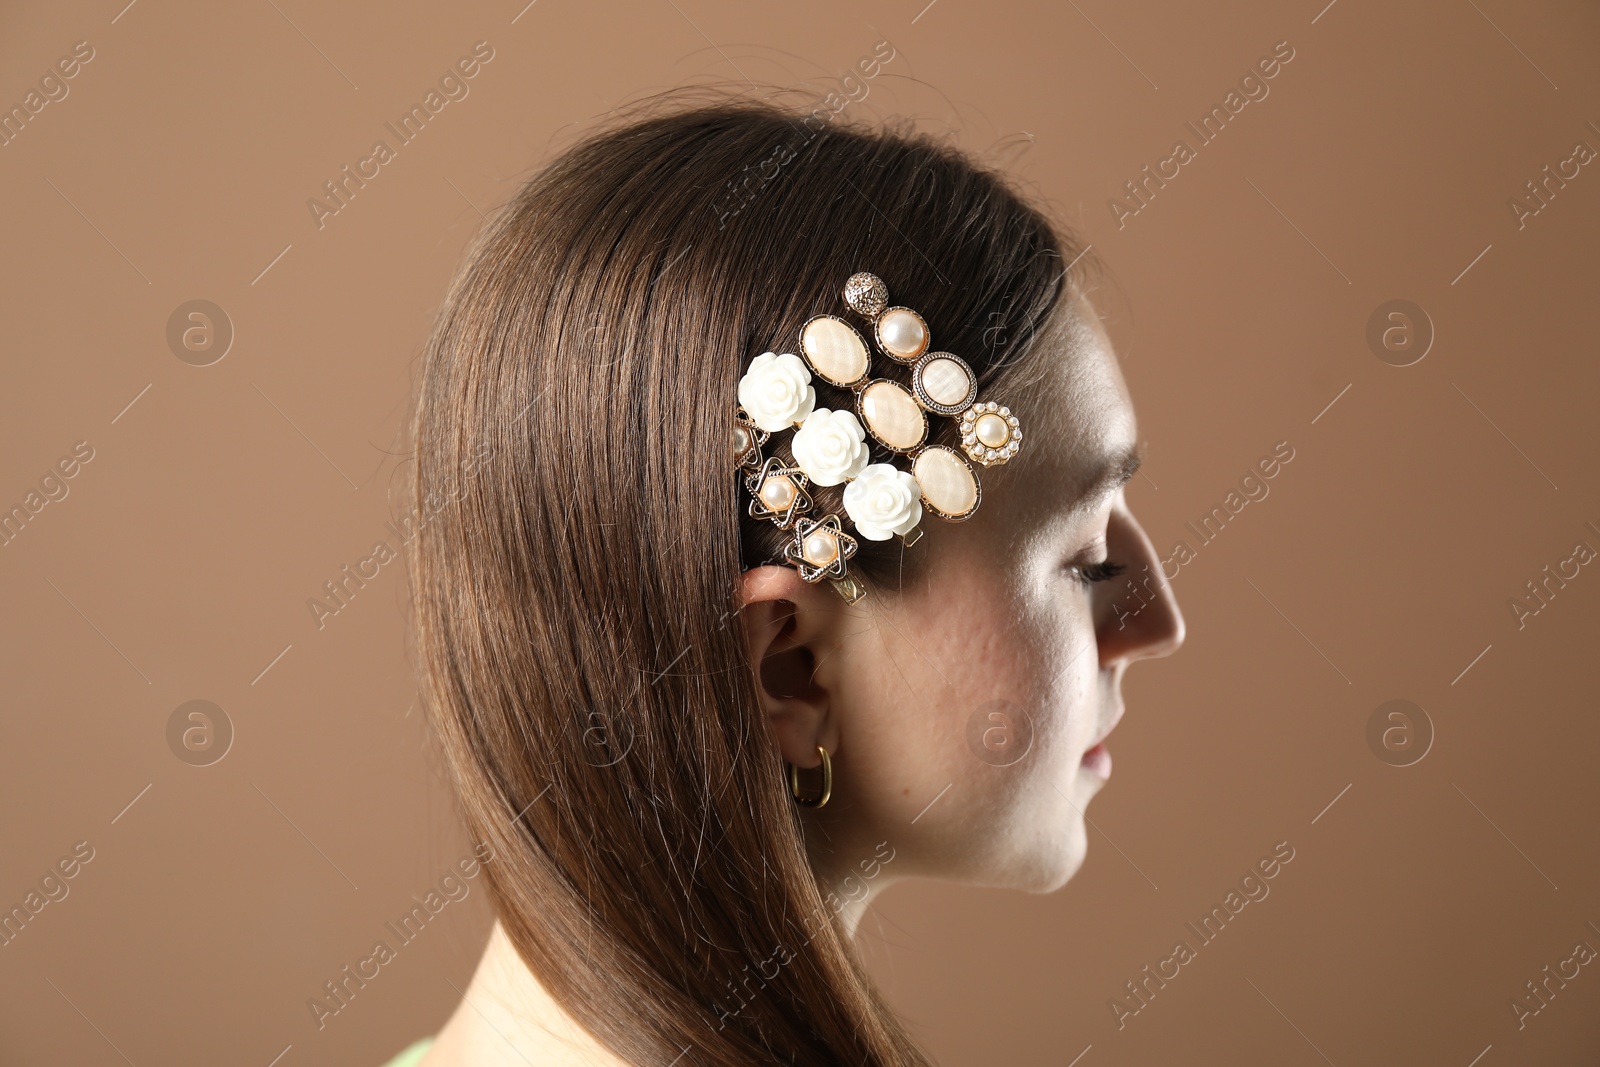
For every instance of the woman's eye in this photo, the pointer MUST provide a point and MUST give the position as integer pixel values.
(1090, 573)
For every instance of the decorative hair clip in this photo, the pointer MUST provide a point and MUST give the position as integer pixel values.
(829, 445)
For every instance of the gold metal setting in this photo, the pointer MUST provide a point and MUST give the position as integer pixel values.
(838, 354)
(820, 548)
(977, 485)
(990, 434)
(861, 412)
(814, 360)
(747, 441)
(866, 294)
(886, 319)
(919, 388)
(791, 499)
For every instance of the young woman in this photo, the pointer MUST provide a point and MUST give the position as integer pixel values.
(700, 702)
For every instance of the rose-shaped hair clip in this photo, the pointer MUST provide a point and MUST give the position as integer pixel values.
(831, 446)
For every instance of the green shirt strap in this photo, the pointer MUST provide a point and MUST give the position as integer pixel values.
(412, 1054)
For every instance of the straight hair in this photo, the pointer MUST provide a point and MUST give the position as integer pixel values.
(574, 607)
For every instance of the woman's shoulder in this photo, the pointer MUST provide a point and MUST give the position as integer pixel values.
(412, 1054)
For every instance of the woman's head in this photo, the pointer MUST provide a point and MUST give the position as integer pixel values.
(973, 700)
(618, 679)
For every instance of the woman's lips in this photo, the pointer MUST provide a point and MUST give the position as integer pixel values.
(1097, 761)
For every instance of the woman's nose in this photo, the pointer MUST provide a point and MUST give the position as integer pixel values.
(1142, 620)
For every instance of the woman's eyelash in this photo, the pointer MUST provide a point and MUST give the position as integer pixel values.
(1090, 573)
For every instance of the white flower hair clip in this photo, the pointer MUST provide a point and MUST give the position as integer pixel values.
(830, 446)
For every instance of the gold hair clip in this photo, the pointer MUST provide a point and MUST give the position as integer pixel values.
(829, 445)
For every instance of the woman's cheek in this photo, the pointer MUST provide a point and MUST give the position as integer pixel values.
(1067, 700)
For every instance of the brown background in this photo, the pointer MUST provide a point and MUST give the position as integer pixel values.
(1380, 566)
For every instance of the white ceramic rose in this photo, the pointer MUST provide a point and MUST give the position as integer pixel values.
(777, 391)
(830, 446)
(883, 501)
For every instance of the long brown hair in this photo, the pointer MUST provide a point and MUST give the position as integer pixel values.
(574, 582)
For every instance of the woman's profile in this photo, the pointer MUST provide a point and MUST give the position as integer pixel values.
(700, 702)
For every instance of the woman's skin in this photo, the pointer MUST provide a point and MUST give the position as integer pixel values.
(957, 714)
(895, 686)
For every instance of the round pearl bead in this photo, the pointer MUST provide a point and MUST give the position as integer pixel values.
(903, 334)
(777, 492)
(820, 548)
(992, 430)
(741, 439)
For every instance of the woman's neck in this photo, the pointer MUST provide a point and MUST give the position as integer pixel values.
(508, 1019)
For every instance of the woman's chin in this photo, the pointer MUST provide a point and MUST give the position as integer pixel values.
(1054, 866)
(1043, 862)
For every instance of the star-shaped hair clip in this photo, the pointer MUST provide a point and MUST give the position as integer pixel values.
(819, 548)
(747, 441)
(778, 492)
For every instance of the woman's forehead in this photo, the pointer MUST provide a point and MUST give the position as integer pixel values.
(1080, 437)
(1080, 412)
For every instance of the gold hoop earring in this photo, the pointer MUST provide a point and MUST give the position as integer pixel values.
(827, 782)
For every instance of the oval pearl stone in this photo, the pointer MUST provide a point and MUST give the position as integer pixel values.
(777, 492)
(741, 440)
(820, 548)
(992, 430)
(947, 482)
(902, 334)
(946, 381)
(834, 350)
(892, 416)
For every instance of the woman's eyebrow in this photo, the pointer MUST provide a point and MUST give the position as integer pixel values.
(1108, 475)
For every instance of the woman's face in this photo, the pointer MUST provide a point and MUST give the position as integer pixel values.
(967, 715)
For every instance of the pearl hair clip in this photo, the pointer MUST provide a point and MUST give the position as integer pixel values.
(829, 445)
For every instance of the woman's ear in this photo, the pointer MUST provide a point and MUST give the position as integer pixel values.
(790, 628)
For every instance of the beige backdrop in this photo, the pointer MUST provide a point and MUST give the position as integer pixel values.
(207, 504)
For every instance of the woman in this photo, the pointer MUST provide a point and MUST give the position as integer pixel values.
(692, 755)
